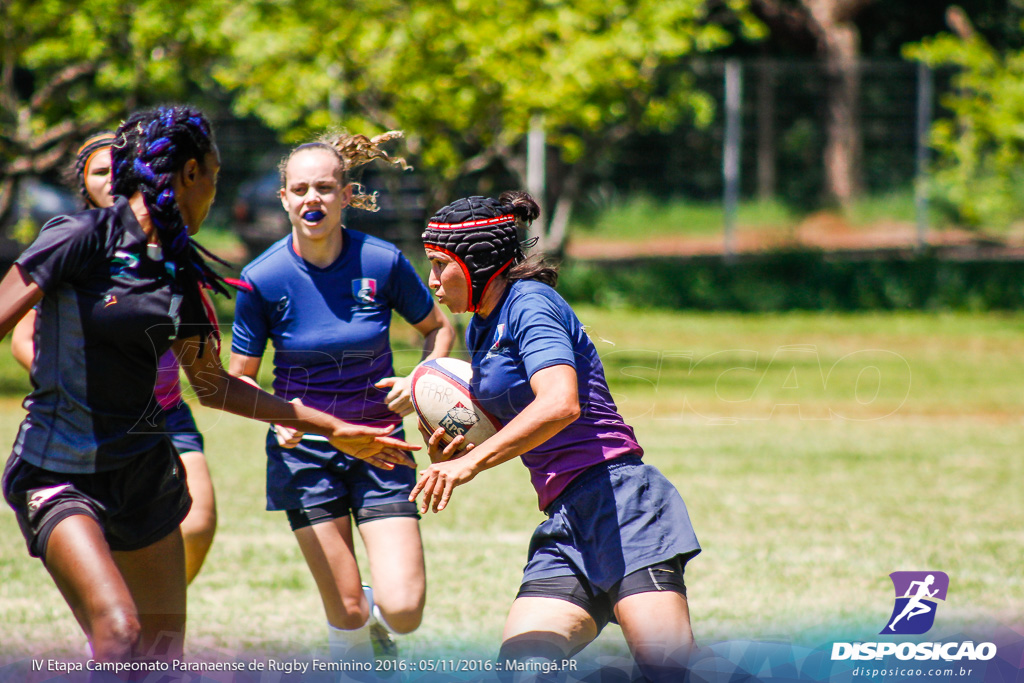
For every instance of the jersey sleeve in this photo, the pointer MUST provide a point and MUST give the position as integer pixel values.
(409, 296)
(251, 329)
(540, 330)
(63, 250)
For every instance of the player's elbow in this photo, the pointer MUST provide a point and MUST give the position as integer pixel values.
(210, 388)
(566, 411)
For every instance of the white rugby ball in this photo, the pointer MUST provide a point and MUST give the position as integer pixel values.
(442, 398)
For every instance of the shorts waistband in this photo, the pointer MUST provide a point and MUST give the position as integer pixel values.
(590, 473)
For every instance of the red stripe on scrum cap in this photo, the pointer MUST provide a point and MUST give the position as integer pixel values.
(479, 223)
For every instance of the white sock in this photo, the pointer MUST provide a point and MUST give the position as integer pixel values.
(375, 613)
(350, 645)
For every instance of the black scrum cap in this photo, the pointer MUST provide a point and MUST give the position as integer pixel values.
(480, 234)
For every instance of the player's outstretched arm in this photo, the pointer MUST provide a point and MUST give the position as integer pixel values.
(18, 294)
(215, 388)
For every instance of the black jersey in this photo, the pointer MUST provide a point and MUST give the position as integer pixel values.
(109, 311)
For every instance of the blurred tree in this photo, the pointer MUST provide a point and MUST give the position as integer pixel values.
(465, 78)
(68, 68)
(980, 164)
(829, 26)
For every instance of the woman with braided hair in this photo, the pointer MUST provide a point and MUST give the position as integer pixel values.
(618, 535)
(324, 296)
(95, 483)
(91, 177)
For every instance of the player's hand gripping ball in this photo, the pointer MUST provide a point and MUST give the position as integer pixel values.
(442, 398)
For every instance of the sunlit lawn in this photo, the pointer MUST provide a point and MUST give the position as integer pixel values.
(816, 453)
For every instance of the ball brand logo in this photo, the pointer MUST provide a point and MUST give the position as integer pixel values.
(917, 594)
(364, 289)
(458, 420)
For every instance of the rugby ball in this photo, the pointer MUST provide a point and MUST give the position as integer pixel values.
(441, 397)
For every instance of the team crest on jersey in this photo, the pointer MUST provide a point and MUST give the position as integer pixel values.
(458, 420)
(124, 264)
(499, 332)
(364, 289)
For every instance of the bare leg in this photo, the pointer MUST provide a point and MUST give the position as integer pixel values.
(329, 554)
(660, 646)
(199, 526)
(155, 575)
(80, 562)
(545, 629)
(395, 552)
(128, 603)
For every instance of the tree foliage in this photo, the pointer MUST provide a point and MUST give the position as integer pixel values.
(466, 78)
(69, 68)
(979, 169)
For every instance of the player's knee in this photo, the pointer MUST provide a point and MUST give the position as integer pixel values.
(349, 613)
(115, 635)
(405, 619)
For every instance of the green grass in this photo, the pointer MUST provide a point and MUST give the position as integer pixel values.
(641, 217)
(897, 205)
(220, 240)
(805, 494)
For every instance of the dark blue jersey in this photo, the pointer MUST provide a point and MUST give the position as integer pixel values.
(109, 311)
(330, 327)
(533, 328)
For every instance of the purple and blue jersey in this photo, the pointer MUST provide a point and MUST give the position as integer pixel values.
(330, 327)
(534, 328)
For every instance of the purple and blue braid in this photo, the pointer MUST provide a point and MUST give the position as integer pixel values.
(152, 146)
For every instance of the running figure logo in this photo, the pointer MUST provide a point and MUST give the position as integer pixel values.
(916, 596)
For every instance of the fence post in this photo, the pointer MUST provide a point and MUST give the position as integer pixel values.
(536, 166)
(925, 95)
(766, 137)
(731, 153)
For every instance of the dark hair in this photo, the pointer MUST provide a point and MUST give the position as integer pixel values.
(74, 176)
(351, 151)
(151, 147)
(536, 266)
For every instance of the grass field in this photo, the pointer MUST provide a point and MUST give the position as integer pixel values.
(643, 217)
(816, 453)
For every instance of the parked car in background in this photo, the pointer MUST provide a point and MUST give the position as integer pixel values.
(259, 219)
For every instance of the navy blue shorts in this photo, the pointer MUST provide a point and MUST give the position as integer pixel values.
(614, 519)
(314, 473)
(136, 505)
(181, 427)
